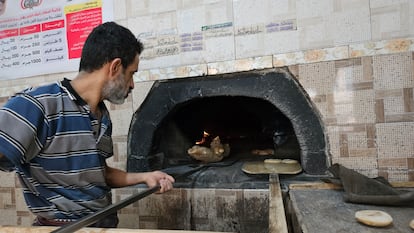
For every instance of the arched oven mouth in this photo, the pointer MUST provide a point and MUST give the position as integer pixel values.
(204, 130)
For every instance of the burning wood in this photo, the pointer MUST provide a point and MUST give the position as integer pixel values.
(215, 153)
(203, 140)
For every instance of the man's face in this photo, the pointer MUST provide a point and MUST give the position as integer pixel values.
(117, 90)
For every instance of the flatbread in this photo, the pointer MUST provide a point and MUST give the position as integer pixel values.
(375, 218)
(289, 161)
(272, 161)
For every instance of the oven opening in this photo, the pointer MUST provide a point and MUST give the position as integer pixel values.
(221, 133)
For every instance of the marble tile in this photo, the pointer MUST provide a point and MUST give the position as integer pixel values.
(312, 24)
(334, 137)
(7, 198)
(313, 34)
(270, 28)
(280, 42)
(120, 150)
(8, 217)
(381, 47)
(239, 65)
(392, 163)
(139, 93)
(121, 120)
(364, 165)
(174, 72)
(160, 38)
(395, 174)
(394, 140)
(381, 94)
(404, 117)
(310, 56)
(393, 71)
(353, 23)
(221, 67)
(20, 202)
(379, 111)
(392, 19)
(7, 179)
(314, 8)
(352, 141)
(408, 98)
(317, 78)
(217, 29)
(120, 9)
(137, 8)
(142, 76)
(191, 71)
(363, 152)
(255, 63)
(163, 73)
(159, 6)
(360, 107)
(318, 23)
(219, 49)
(393, 105)
(357, 140)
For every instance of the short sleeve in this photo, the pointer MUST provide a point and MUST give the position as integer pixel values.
(23, 128)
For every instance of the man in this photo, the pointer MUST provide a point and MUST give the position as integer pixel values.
(57, 137)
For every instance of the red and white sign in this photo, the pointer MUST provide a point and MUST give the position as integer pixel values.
(46, 36)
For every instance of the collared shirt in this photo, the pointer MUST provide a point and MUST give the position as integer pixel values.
(58, 149)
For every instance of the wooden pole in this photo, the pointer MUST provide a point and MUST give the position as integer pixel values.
(277, 217)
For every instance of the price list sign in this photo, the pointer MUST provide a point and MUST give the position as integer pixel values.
(46, 36)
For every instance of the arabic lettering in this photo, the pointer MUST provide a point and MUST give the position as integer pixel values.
(249, 30)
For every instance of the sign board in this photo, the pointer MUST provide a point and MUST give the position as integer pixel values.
(46, 36)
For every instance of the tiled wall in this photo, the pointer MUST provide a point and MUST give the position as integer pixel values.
(366, 105)
(354, 59)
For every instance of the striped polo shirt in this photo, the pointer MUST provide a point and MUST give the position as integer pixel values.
(58, 149)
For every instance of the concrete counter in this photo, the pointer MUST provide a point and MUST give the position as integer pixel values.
(324, 211)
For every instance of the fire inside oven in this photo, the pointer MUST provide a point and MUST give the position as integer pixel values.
(206, 129)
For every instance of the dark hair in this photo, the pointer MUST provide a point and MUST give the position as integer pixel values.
(107, 42)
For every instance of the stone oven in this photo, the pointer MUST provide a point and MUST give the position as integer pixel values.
(250, 111)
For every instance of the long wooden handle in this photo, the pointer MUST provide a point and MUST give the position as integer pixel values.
(92, 218)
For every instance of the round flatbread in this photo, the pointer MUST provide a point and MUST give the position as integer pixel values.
(271, 164)
(412, 224)
(289, 161)
(376, 218)
(272, 161)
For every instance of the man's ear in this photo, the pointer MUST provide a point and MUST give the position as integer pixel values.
(115, 67)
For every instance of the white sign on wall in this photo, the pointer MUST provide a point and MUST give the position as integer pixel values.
(46, 36)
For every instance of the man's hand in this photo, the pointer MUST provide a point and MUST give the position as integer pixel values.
(117, 178)
(157, 177)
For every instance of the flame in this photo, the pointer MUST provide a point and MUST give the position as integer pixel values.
(202, 140)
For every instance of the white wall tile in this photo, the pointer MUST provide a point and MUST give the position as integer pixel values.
(120, 9)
